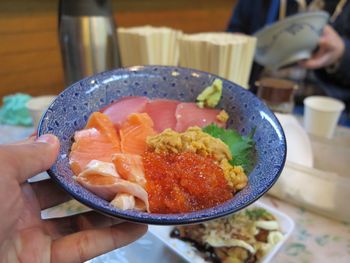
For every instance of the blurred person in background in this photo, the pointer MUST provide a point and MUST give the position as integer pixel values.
(327, 72)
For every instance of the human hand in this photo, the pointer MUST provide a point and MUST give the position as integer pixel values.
(24, 236)
(331, 49)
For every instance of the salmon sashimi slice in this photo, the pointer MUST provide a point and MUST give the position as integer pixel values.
(121, 109)
(90, 144)
(126, 201)
(130, 167)
(101, 168)
(123, 201)
(188, 114)
(162, 112)
(98, 141)
(103, 124)
(107, 187)
(134, 131)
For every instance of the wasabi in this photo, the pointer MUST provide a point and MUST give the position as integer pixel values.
(211, 95)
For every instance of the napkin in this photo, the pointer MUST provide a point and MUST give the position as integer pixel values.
(14, 110)
(225, 54)
(148, 45)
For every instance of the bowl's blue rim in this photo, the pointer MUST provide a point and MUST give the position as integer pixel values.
(169, 219)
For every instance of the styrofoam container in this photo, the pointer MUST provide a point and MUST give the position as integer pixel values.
(187, 252)
(316, 174)
(322, 192)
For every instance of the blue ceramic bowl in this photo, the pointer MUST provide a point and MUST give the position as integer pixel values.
(71, 109)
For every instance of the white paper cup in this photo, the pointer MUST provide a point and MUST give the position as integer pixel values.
(321, 115)
(37, 106)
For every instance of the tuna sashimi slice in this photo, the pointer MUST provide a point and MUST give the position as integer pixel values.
(188, 114)
(134, 132)
(107, 187)
(121, 109)
(162, 112)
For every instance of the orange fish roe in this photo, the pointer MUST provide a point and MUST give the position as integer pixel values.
(183, 182)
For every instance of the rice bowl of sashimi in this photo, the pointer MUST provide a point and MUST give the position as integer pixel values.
(163, 145)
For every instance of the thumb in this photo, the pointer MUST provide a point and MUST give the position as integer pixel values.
(29, 158)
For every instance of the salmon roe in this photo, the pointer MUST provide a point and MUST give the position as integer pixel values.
(183, 182)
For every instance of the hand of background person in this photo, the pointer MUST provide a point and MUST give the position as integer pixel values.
(331, 49)
(24, 236)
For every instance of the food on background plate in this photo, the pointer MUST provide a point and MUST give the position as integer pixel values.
(160, 156)
(246, 236)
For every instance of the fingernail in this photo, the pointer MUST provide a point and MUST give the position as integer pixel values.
(47, 138)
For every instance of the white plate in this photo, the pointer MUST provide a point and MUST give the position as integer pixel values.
(187, 252)
(299, 152)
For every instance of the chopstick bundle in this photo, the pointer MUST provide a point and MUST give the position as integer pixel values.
(225, 54)
(148, 45)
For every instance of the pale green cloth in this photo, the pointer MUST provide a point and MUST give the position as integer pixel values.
(14, 110)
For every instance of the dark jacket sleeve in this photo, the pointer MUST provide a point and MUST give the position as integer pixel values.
(248, 16)
(238, 21)
(343, 72)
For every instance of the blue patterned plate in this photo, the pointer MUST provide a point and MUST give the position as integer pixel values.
(71, 109)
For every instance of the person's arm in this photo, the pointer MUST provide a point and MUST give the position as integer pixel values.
(340, 70)
(332, 60)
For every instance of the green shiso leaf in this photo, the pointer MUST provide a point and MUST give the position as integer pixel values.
(242, 147)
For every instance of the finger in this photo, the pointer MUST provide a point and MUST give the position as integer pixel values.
(317, 62)
(27, 159)
(316, 59)
(88, 244)
(59, 227)
(49, 194)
